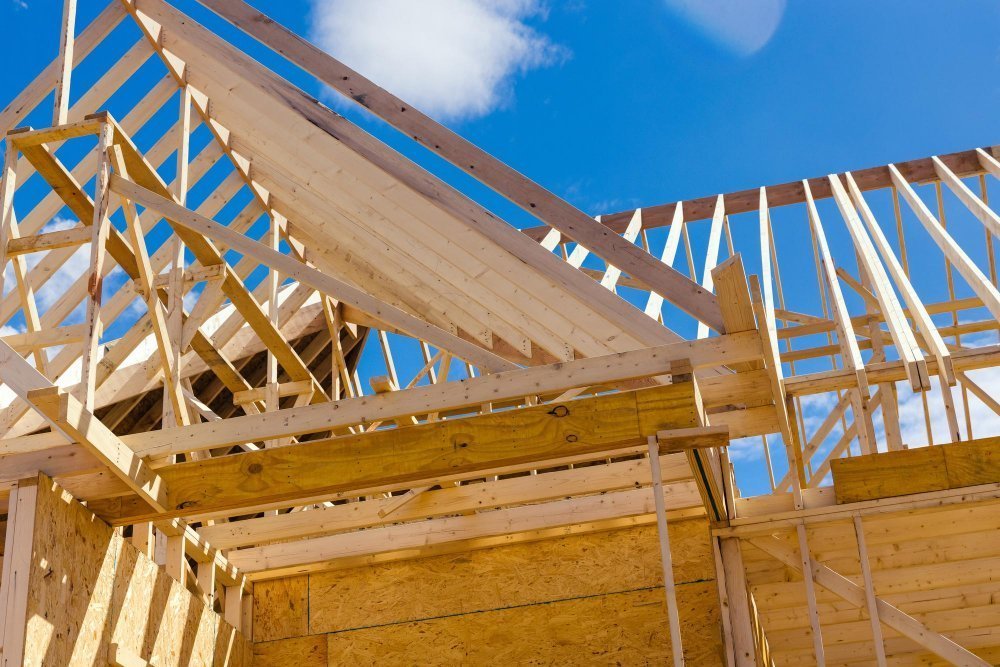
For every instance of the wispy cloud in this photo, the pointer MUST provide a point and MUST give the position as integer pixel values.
(453, 59)
(739, 26)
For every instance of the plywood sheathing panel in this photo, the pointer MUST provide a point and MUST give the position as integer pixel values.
(89, 588)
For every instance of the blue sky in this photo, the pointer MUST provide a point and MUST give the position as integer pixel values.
(614, 105)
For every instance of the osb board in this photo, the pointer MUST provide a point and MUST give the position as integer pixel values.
(628, 628)
(281, 608)
(508, 576)
(74, 558)
(159, 620)
(231, 648)
(88, 588)
(307, 651)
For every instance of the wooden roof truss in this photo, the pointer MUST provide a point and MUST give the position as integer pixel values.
(251, 254)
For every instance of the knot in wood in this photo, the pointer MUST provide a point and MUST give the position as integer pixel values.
(559, 411)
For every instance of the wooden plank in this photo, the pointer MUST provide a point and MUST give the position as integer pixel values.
(920, 470)
(20, 536)
(697, 437)
(976, 206)
(889, 474)
(317, 554)
(846, 338)
(62, 87)
(513, 257)
(808, 577)
(972, 463)
(666, 562)
(979, 283)
(463, 499)
(65, 238)
(870, 601)
(100, 230)
(309, 276)
(921, 170)
(420, 455)
(554, 378)
(68, 415)
(891, 616)
(530, 196)
(902, 336)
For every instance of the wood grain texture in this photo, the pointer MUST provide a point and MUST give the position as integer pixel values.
(395, 458)
(917, 470)
(937, 564)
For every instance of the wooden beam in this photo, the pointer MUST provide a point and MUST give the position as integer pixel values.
(697, 437)
(402, 458)
(595, 371)
(870, 599)
(976, 206)
(70, 417)
(527, 194)
(917, 310)
(291, 267)
(17, 563)
(62, 87)
(975, 278)
(902, 335)
(324, 552)
(916, 470)
(963, 163)
(100, 230)
(448, 500)
(666, 562)
(64, 238)
(846, 339)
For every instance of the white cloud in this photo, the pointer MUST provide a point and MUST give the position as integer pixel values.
(740, 26)
(452, 59)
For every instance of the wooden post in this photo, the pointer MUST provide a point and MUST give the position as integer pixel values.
(665, 558)
(808, 578)
(99, 236)
(61, 106)
(176, 560)
(16, 570)
(738, 608)
(870, 600)
(232, 607)
(206, 580)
